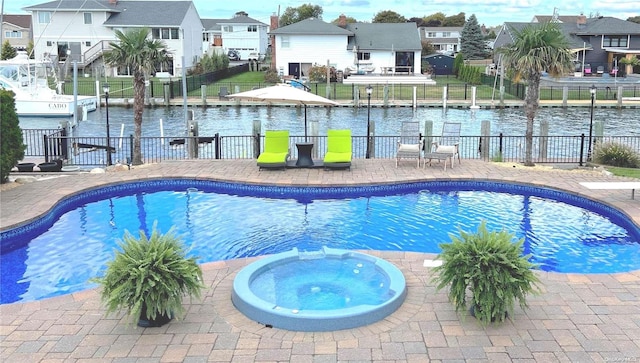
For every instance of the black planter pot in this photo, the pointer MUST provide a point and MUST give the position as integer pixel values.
(25, 167)
(51, 166)
(159, 321)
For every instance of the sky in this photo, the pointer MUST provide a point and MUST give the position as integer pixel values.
(489, 13)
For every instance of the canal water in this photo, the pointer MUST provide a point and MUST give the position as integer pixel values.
(237, 121)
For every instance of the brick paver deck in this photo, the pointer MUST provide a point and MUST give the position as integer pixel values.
(577, 318)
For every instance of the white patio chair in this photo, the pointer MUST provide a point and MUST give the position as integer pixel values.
(410, 143)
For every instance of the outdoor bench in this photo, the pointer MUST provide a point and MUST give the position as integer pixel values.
(613, 185)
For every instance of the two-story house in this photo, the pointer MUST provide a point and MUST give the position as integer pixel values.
(446, 40)
(359, 47)
(17, 30)
(77, 30)
(240, 33)
(598, 43)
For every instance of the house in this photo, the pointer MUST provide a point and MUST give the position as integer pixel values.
(598, 43)
(446, 40)
(240, 33)
(17, 30)
(355, 47)
(78, 30)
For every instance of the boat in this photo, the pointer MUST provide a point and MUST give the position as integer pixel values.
(28, 81)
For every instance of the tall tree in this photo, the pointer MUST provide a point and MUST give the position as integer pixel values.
(136, 51)
(472, 45)
(634, 19)
(419, 21)
(8, 51)
(535, 49)
(435, 19)
(305, 11)
(427, 47)
(11, 145)
(454, 20)
(388, 16)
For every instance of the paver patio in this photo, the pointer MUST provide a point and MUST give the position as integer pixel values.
(577, 318)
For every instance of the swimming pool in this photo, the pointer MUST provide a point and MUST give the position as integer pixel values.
(221, 221)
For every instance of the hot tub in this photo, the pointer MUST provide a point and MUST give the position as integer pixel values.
(330, 289)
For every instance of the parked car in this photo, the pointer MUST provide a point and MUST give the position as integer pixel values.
(234, 55)
(254, 56)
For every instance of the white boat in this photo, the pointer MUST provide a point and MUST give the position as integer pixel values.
(33, 96)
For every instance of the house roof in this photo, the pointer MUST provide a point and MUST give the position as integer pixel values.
(574, 40)
(241, 19)
(311, 26)
(211, 24)
(607, 25)
(72, 5)
(149, 13)
(125, 12)
(216, 24)
(377, 36)
(21, 21)
(561, 18)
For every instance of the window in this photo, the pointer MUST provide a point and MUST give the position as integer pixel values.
(87, 44)
(44, 17)
(165, 33)
(252, 28)
(618, 41)
(431, 34)
(49, 43)
(87, 18)
(286, 42)
(13, 34)
(227, 28)
(446, 34)
(364, 56)
(205, 37)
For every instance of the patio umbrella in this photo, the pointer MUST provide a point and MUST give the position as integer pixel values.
(284, 93)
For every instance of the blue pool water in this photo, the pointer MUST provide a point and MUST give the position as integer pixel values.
(60, 252)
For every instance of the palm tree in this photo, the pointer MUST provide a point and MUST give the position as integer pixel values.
(535, 49)
(140, 54)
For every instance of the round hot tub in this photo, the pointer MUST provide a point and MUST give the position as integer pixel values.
(324, 290)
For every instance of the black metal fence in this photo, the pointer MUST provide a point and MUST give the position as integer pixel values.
(214, 82)
(91, 151)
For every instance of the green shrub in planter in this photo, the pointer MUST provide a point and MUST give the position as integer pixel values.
(492, 267)
(148, 278)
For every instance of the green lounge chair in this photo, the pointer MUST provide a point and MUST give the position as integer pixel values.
(338, 154)
(276, 149)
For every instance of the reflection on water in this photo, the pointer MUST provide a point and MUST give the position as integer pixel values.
(234, 121)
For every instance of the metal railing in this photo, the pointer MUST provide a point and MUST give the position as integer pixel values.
(91, 151)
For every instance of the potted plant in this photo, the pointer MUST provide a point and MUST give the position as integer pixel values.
(492, 266)
(148, 277)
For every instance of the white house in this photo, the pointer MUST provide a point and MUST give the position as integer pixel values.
(446, 40)
(359, 47)
(81, 30)
(240, 33)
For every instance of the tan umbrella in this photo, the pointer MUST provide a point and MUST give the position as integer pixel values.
(284, 93)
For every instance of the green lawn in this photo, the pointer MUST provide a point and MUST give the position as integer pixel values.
(628, 172)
